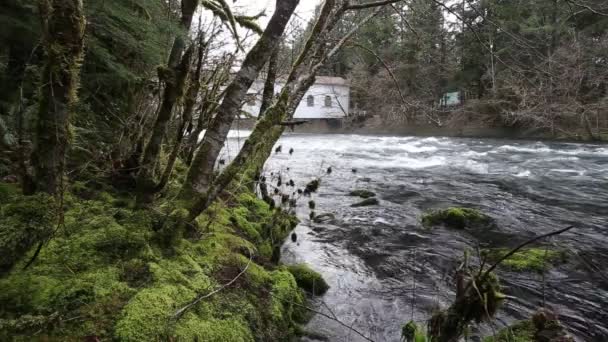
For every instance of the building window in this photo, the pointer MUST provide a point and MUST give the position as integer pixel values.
(310, 101)
(328, 101)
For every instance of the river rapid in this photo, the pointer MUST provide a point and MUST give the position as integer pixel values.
(385, 269)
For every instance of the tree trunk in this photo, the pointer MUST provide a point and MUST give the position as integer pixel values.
(63, 28)
(174, 87)
(201, 171)
(174, 76)
(267, 131)
(271, 77)
(189, 103)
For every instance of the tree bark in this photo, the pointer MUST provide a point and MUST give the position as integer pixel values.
(189, 103)
(63, 24)
(271, 77)
(174, 75)
(201, 171)
(258, 147)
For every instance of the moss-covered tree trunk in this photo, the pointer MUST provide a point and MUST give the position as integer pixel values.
(63, 24)
(174, 77)
(194, 85)
(201, 170)
(271, 77)
(268, 130)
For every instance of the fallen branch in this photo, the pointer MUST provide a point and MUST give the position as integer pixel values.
(197, 300)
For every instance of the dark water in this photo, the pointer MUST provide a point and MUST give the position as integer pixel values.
(385, 269)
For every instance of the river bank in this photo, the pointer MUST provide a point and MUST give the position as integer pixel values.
(111, 271)
(374, 126)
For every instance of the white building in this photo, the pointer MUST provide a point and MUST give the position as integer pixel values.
(327, 98)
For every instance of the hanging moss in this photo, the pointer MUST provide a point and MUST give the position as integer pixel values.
(458, 218)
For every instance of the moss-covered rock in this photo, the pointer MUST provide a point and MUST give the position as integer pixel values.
(366, 202)
(528, 259)
(362, 193)
(544, 326)
(308, 279)
(458, 218)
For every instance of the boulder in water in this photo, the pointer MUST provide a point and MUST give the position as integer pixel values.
(324, 218)
(366, 202)
(528, 259)
(308, 280)
(458, 218)
(362, 193)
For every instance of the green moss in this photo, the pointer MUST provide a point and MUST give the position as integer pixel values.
(522, 331)
(108, 267)
(411, 332)
(192, 328)
(457, 217)
(528, 259)
(308, 279)
(362, 193)
(8, 191)
(25, 222)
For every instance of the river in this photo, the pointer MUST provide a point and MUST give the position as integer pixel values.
(384, 269)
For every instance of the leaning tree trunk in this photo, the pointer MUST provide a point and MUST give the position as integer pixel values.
(268, 130)
(63, 25)
(174, 76)
(271, 77)
(201, 171)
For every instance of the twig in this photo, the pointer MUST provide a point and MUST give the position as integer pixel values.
(181, 311)
(326, 316)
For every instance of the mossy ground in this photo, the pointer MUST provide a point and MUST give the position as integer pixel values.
(457, 217)
(528, 259)
(109, 272)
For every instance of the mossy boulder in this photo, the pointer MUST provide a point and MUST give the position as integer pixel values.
(308, 279)
(362, 193)
(544, 326)
(457, 218)
(366, 202)
(528, 259)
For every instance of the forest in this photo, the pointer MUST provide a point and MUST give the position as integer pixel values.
(121, 218)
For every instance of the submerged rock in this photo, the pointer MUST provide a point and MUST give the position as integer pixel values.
(362, 193)
(458, 218)
(324, 218)
(366, 202)
(308, 280)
